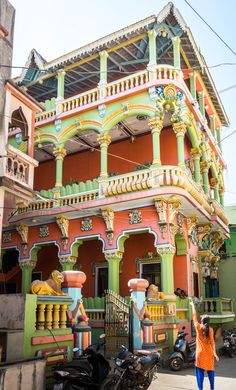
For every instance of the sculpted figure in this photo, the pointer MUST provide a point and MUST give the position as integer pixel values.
(52, 286)
(153, 293)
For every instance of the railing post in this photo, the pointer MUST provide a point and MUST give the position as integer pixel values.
(103, 74)
(60, 90)
(152, 55)
(176, 51)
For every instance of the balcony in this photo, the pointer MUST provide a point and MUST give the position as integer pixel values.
(148, 182)
(220, 310)
(163, 74)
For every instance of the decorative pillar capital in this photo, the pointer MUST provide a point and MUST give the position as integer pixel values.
(61, 73)
(63, 224)
(59, 152)
(103, 54)
(67, 262)
(179, 129)
(214, 182)
(113, 255)
(155, 124)
(163, 250)
(108, 216)
(196, 153)
(152, 33)
(23, 231)
(205, 165)
(176, 40)
(104, 140)
(30, 264)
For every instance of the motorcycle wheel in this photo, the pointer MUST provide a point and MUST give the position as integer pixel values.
(176, 364)
(111, 382)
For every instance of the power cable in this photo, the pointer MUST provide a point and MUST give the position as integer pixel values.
(211, 28)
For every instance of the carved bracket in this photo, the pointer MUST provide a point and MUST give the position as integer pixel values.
(63, 224)
(23, 231)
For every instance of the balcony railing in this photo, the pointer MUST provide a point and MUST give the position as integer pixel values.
(125, 84)
(142, 180)
(51, 312)
(217, 306)
(161, 310)
(19, 167)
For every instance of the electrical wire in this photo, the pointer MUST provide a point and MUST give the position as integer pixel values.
(211, 28)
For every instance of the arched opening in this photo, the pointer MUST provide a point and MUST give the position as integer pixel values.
(47, 261)
(180, 263)
(10, 278)
(18, 121)
(140, 260)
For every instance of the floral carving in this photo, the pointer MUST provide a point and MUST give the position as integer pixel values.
(135, 217)
(86, 224)
(43, 231)
(6, 237)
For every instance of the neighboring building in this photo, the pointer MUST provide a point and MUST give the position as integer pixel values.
(227, 265)
(130, 179)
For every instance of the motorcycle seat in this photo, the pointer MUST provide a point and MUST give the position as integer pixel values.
(78, 364)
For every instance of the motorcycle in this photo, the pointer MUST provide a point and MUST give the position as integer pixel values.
(229, 343)
(184, 352)
(85, 372)
(133, 371)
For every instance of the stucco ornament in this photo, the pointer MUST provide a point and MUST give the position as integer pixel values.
(43, 231)
(63, 224)
(52, 286)
(86, 224)
(135, 217)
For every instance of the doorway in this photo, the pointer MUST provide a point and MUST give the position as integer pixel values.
(152, 273)
(101, 281)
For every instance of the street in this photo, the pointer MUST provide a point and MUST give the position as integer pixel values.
(185, 379)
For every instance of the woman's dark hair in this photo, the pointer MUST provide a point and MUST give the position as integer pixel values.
(206, 329)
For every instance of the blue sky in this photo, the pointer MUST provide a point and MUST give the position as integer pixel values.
(55, 27)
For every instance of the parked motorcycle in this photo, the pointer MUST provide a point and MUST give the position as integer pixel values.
(133, 371)
(86, 372)
(229, 343)
(184, 352)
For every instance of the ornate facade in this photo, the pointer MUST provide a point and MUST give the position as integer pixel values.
(130, 163)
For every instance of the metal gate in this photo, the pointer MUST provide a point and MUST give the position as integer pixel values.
(118, 323)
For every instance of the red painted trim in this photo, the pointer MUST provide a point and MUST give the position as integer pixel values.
(50, 339)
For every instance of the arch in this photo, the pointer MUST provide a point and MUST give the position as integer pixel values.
(128, 111)
(79, 241)
(18, 119)
(72, 130)
(120, 240)
(37, 247)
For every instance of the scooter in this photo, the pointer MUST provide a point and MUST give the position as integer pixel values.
(85, 372)
(184, 352)
(229, 341)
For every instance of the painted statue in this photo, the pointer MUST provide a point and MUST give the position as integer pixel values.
(153, 293)
(52, 286)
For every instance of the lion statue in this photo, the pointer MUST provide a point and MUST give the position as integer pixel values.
(52, 286)
(153, 293)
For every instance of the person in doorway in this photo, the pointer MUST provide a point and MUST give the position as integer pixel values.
(205, 349)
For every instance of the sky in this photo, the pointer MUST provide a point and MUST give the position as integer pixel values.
(56, 27)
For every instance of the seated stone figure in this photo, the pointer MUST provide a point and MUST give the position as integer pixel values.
(52, 286)
(153, 293)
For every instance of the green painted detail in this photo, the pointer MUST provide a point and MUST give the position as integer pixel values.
(60, 84)
(75, 246)
(114, 274)
(103, 67)
(212, 125)
(50, 104)
(176, 51)
(26, 279)
(192, 78)
(206, 186)
(218, 134)
(201, 102)
(167, 273)
(181, 246)
(152, 46)
(94, 303)
(193, 136)
(156, 148)
(180, 150)
(197, 170)
(59, 167)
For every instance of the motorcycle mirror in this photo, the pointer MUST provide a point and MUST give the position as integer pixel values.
(102, 336)
(75, 349)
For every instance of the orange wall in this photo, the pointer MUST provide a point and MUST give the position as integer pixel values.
(86, 165)
(180, 272)
(47, 261)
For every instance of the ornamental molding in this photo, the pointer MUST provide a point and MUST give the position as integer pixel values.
(59, 152)
(191, 223)
(195, 153)
(86, 224)
(23, 231)
(135, 217)
(155, 124)
(67, 259)
(217, 240)
(108, 217)
(179, 129)
(113, 255)
(6, 237)
(63, 224)
(104, 140)
(44, 231)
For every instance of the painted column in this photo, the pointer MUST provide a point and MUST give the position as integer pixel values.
(201, 102)
(204, 170)
(167, 272)
(214, 185)
(193, 90)
(221, 195)
(27, 267)
(103, 74)
(137, 288)
(212, 125)
(176, 51)
(59, 152)
(156, 125)
(113, 258)
(218, 135)
(152, 54)
(67, 262)
(104, 141)
(180, 130)
(196, 154)
(61, 84)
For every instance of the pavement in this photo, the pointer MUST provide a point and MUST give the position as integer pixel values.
(185, 379)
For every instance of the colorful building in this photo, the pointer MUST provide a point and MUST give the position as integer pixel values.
(129, 182)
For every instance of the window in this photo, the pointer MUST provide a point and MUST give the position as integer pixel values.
(151, 272)
(36, 276)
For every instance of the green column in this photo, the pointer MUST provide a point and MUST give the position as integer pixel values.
(103, 67)
(212, 125)
(156, 125)
(67, 262)
(59, 152)
(218, 135)
(221, 195)
(205, 169)
(27, 267)
(152, 48)
(104, 141)
(196, 154)
(167, 272)
(214, 186)
(113, 258)
(201, 102)
(176, 51)
(192, 77)
(61, 83)
(180, 130)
